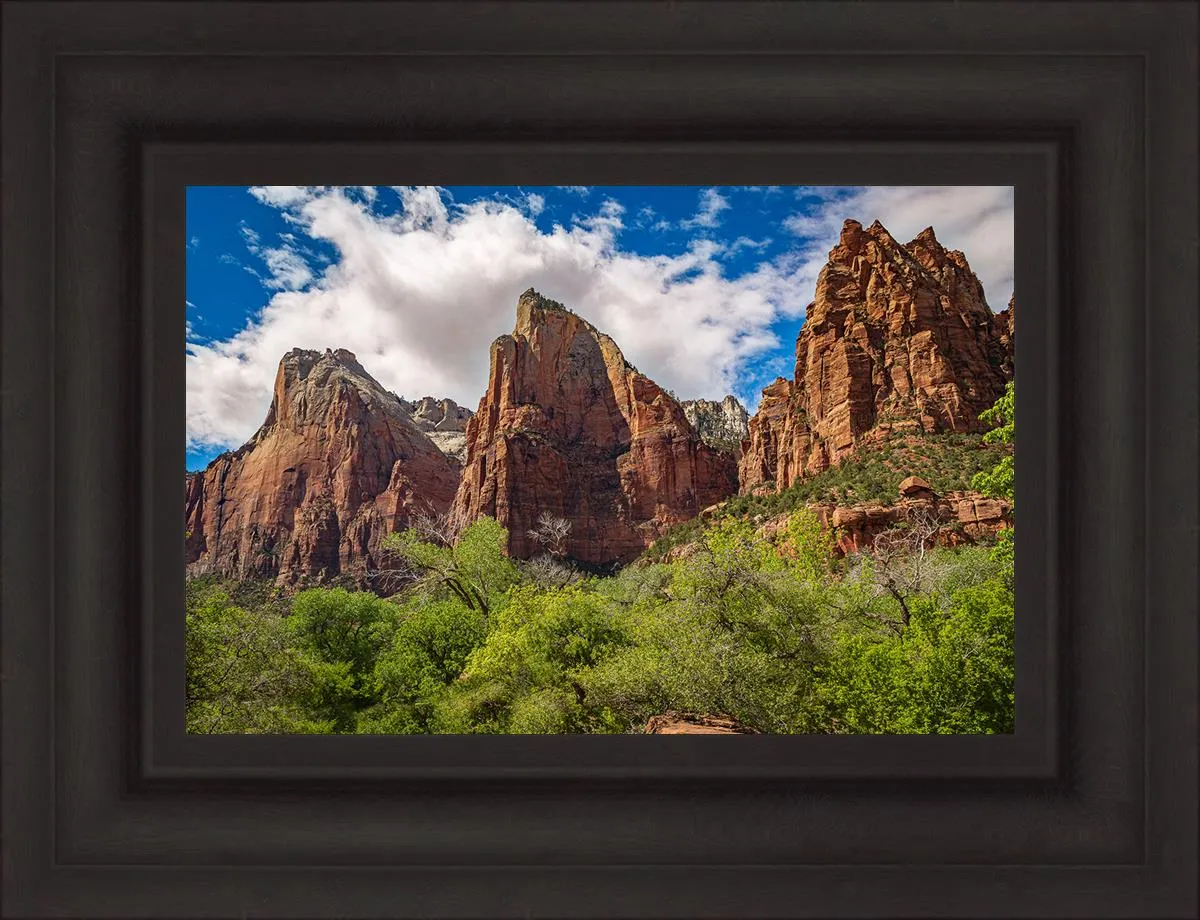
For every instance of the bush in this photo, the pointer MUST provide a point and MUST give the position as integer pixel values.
(428, 651)
(242, 675)
(775, 633)
(524, 677)
(951, 672)
(339, 635)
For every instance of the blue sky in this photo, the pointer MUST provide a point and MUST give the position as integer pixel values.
(703, 288)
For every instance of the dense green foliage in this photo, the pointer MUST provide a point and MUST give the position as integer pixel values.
(948, 462)
(999, 481)
(772, 630)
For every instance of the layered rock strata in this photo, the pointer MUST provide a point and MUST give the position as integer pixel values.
(723, 425)
(444, 421)
(961, 518)
(337, 465)
(569, 428)
(899, 338)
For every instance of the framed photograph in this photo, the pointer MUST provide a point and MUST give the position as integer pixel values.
(548, 375)
(588, 551)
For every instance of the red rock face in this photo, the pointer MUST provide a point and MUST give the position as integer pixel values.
(675, 723)
(567, 426)
(965, 518)
(337, 465)
(898, 338)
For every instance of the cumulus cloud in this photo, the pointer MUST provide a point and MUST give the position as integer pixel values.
(581, 190)
(419, 294)
(978, 219)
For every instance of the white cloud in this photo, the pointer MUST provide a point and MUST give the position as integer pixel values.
(582, 190)
(421, 208)
(420, 294)
(285, 196)
(744, 242)
(712, 203)
(535, 204)
(288, 271)
(977, 219)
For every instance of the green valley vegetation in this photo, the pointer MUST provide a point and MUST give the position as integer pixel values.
(768, 627)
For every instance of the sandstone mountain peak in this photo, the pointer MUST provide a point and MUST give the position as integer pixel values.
(722, 425)
(336, 466)
(307, 358)
(444, 422)
(568, 427)
(897, 339)
(533, 308)
(306, 383)
(926, 236)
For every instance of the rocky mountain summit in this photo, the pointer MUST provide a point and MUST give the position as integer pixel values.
(568, 427)
(444, 421)
(899, 343)
(723, 425)
(337, 465)
(899, 338)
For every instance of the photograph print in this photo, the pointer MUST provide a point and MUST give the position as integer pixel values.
(616, 460)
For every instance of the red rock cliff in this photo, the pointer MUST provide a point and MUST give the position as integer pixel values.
(336, 466)
(568, 426)
(898, 338)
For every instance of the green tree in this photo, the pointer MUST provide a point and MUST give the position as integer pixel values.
(473, 568)
(1000, 481)
(809, 545)
(524, 679)
(733, 631)
(339, 635)
(242, 675)
(412, 677)
(951, 672)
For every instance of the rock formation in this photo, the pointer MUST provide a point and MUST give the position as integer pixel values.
(897, 339)
(568, 427)
(1005, 325)
(722, 425)
(444, 421)
(336, 466)
(675, 723)
(962, 517)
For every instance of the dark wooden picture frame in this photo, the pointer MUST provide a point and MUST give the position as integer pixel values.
(110, 109)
